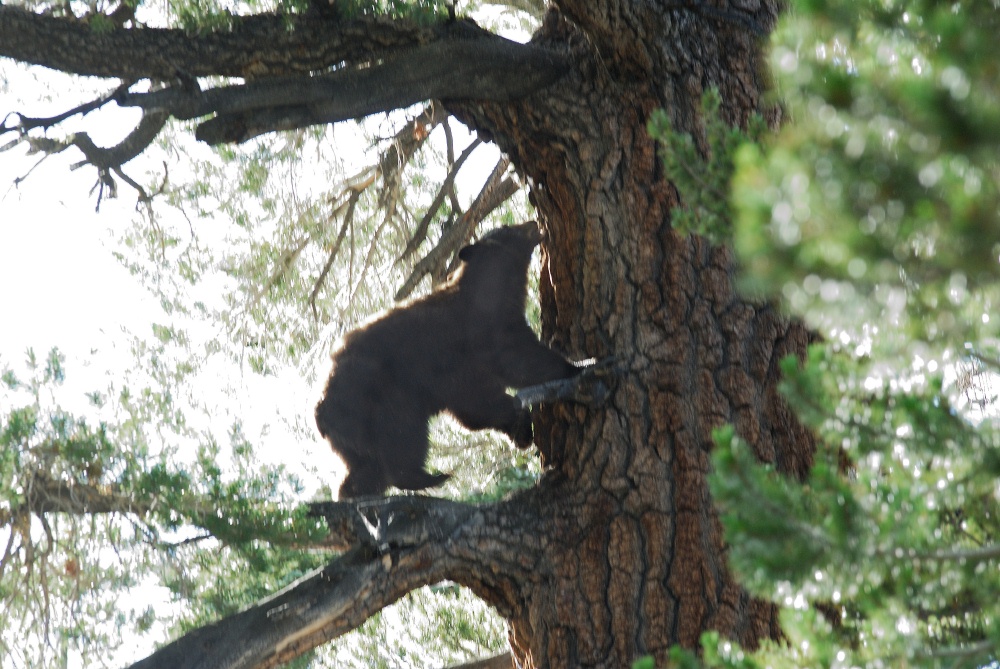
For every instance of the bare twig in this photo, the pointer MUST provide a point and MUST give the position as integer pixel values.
(496, 191)
(27, 123)
(420, 233)
(321, 280)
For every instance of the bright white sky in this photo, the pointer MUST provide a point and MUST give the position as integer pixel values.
(63, 287)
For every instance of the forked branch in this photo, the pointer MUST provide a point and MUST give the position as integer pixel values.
(107, 160)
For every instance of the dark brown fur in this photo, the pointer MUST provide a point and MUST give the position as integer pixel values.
(456, 350)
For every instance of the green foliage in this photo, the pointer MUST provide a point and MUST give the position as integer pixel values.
(884, 184)
(94, 508)
(701, 170)
(903, 541)
(421, 10)
(715, 653)
(875, 214)
(201, 16)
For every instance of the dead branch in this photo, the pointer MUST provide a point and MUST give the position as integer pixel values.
(401, 149)
(411, 137)
(107, 160)
(26, 123)
(405, 542)
(447, 186)
(494, 193)
(321, 280)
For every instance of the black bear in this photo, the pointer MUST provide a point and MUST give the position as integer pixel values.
(456, 350)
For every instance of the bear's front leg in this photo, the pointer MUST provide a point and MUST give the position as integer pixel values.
(492, 408)
(590, 386)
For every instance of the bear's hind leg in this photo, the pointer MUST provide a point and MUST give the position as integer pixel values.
(404, 450)
(417, 479)
(365, 478)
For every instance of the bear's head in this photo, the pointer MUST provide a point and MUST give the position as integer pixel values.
(519, 240)
(495, 268)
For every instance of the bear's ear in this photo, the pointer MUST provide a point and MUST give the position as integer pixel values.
(466, 253)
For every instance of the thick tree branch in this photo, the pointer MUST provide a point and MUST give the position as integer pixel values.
(254, 46)
(484, 68)
(403, 543)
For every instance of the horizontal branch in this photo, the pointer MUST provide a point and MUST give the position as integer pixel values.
(482, 68)
(260, 45)
(43, 495)
(402, 543)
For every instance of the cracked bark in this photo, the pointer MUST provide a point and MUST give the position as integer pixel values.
(642, 564)
(484, 68)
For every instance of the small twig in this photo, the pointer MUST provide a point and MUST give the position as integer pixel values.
(496, 191)
(287, 259)
(420, 233)
(321, 280)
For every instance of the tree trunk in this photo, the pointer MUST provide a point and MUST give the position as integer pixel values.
(630, 552)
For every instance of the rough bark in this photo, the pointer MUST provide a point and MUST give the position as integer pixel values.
(618, 552)
(253, 46)
(642, 563)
